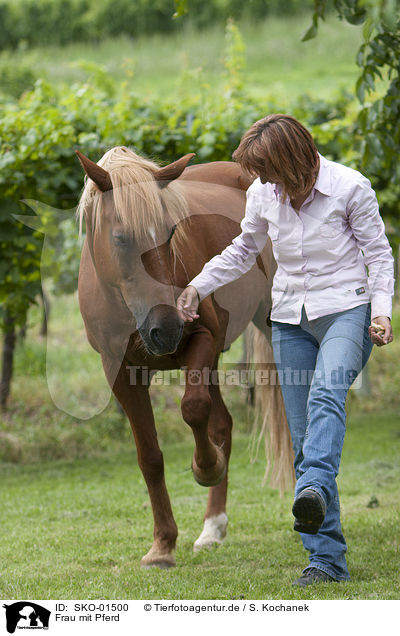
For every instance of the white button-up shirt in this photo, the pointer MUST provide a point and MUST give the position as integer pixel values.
(322, 252)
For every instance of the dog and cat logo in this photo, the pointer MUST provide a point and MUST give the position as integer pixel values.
(26, 615)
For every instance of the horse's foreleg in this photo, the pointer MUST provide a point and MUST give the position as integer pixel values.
(209, 463)
(220, 427)
(136, 403)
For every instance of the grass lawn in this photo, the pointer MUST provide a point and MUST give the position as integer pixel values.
(78, 529)
(75, 513)
(278, 63)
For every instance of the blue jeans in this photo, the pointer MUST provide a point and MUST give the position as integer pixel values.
(317, 362)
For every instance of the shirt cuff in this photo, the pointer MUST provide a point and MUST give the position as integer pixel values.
(203, 287)
(381, 305)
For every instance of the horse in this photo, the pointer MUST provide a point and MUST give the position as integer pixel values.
(149, 231)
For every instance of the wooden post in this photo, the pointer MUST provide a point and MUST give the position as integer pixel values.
(7, 360)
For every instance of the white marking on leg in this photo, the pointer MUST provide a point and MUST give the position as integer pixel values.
(214, 531)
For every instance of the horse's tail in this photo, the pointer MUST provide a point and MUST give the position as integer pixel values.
(270, 409)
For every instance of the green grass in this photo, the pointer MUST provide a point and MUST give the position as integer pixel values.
(88, 523)
(278, 63)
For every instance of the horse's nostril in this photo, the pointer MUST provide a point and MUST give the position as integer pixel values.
(162, 336)
(155, 335)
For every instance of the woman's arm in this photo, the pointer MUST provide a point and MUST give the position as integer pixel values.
(369, 231)
(238, 257)
(234, 261)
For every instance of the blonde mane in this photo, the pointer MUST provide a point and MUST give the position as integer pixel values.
(139, 202)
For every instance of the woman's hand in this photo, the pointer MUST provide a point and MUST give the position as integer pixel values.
(380, 331)
(187, 304)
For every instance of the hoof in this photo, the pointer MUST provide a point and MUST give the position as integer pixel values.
(157, 559)
(214, 532)
(213, 475)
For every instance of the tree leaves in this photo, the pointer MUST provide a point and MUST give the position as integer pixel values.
(310, 33)
(180, 8)
(379, 119)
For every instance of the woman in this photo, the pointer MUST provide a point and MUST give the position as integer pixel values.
(324, 223)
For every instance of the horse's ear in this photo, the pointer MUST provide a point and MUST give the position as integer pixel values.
(100, 176)
(172, 171)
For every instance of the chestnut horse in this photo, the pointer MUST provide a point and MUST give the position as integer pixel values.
(149, 231)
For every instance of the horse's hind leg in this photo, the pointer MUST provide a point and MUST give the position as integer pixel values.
(220, 428)
(136, 403)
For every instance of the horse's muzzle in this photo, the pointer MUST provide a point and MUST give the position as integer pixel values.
(162, 330)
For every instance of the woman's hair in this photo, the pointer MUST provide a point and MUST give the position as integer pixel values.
(282, 149)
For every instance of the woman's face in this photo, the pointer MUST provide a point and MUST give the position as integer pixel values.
(263, 176)
(266, 174)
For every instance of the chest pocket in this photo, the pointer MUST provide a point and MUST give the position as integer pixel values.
(331, 228)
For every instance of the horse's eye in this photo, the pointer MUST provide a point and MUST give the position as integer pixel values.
(121, 240)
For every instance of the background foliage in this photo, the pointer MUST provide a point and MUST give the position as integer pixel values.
(40, 133)
(39, 128)
(33, 22)
(378, 122)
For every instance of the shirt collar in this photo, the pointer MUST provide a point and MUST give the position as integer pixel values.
(323, 182)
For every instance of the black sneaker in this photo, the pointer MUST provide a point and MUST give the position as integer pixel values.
(309, 509)
(313, 575)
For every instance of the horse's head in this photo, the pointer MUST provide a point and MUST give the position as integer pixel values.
(132, 210)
